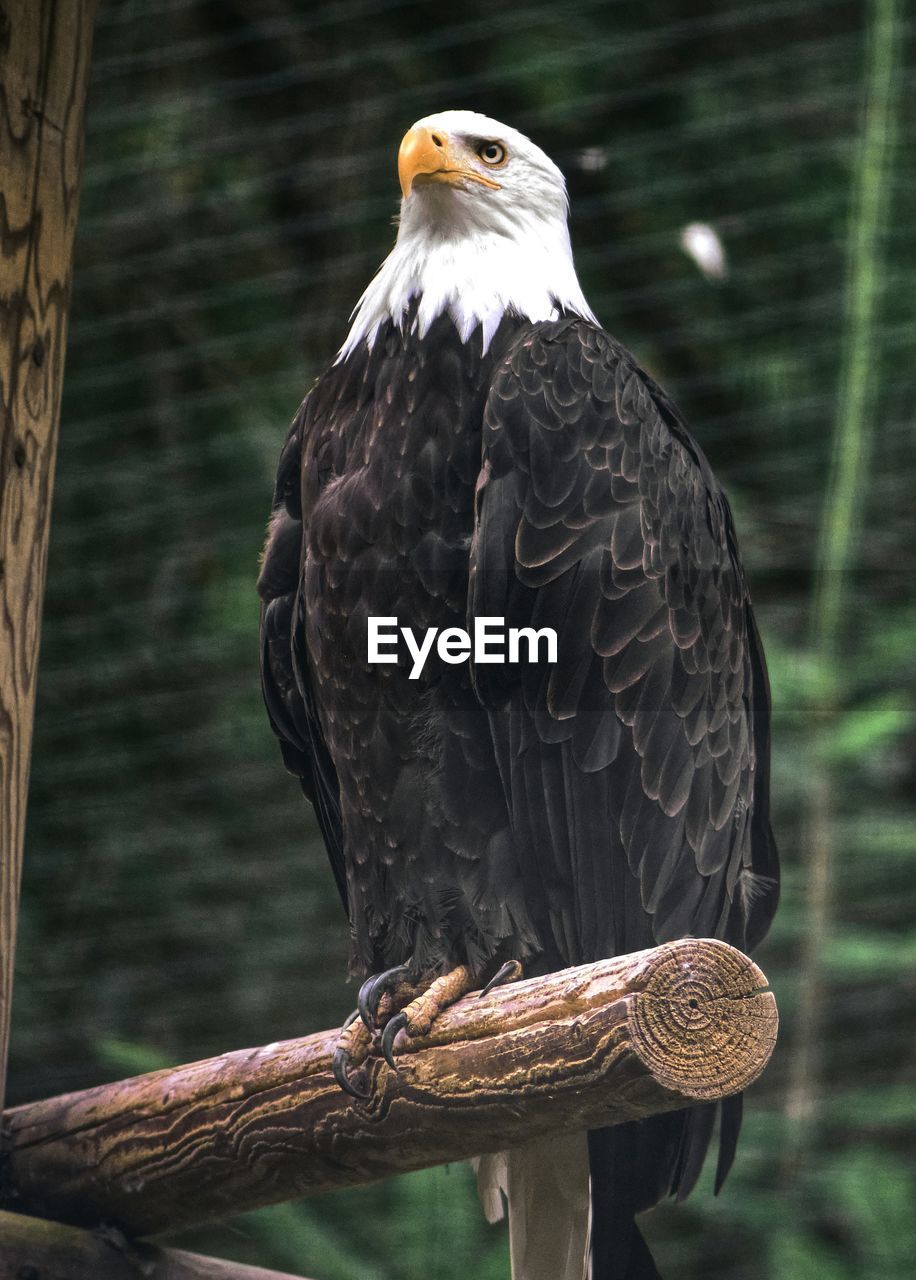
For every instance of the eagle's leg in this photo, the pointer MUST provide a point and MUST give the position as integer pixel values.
(353, 1048)
(418, 1016)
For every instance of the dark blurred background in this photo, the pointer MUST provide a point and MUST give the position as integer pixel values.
(239, 190)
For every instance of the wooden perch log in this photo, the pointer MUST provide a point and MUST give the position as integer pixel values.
(618, 1040)
(32, 1249)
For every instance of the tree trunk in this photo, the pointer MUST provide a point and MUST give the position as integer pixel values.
(44, 68)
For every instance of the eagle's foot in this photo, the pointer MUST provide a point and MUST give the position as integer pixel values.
(380, 998)
(353, 1048)
(383, 994)
(416, 1019)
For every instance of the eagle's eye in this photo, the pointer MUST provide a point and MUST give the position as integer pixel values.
(493, 153)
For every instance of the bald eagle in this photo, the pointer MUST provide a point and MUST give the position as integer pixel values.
(481, 448)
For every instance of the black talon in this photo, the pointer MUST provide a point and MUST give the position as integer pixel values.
(372, 990)
(362, 1002)
(340, 1066)
(505, 973)
(392, 1027)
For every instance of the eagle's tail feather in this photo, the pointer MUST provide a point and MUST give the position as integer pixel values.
(545, 1185)
(572, 1199)
(618, 1251)
(729, 1129)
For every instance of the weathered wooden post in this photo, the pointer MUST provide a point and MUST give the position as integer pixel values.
(45, 49)
(32, 1249)
(687, 1022)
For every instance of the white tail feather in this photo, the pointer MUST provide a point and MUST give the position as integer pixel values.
(546, 1187)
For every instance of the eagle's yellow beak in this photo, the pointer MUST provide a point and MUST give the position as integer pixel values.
(429, 155)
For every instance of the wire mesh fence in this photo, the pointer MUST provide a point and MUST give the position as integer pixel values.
(238, 194)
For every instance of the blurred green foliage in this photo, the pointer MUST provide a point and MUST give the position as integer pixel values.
(238, 193)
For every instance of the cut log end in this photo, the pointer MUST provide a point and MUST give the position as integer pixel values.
(705, 1024)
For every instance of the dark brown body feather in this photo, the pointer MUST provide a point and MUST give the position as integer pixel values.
(383, 459)
(556, 813)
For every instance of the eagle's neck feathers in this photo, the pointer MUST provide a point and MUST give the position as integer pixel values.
(452, 258)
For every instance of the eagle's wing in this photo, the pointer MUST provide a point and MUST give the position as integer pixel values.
(635, 768)
(284, 663)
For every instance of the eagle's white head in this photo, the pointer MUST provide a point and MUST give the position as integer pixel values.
(483, 231)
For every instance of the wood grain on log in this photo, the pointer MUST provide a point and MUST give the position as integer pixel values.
(32, 1249)
(621, 1039)
(44, 66)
